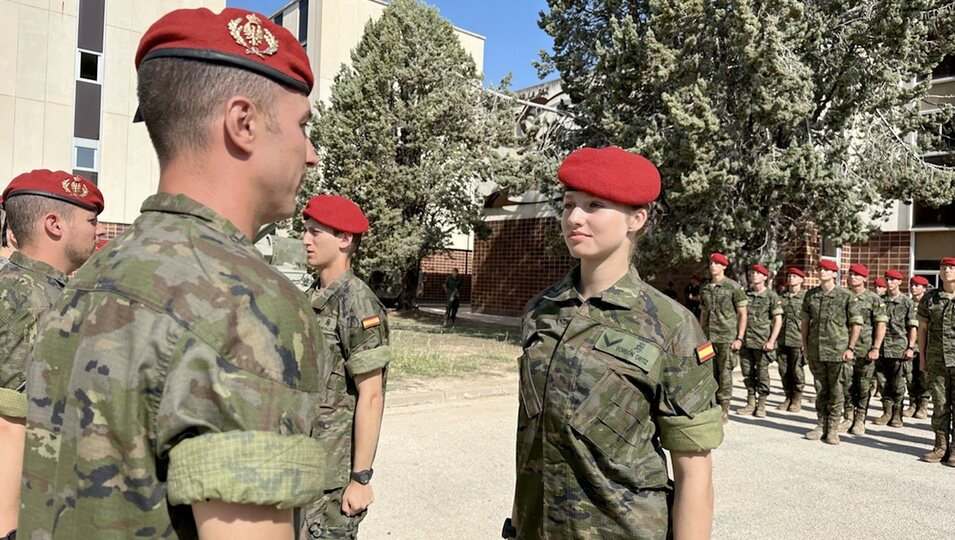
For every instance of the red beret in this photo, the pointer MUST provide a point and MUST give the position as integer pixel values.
(859, 269)
(796, 271)
(60, 185)
(336, 212)
(828, 264)
(879, 282)
(893, 274)
(919, 280)
(611, 173)
(947, 261)
(761, 269)
(236, 38)
(719, 258)
(101, 243)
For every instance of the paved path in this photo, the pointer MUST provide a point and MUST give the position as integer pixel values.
(445, 470)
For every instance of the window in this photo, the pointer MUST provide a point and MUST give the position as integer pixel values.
(89, 67)
(303, 21)
(85, 154)
(925, 216)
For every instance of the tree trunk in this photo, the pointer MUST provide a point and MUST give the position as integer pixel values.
(409, 288)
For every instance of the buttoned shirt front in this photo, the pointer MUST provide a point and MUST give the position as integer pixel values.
(937, 310)
(791, 334)
(721, 300)
(831, 317)
(902, 316)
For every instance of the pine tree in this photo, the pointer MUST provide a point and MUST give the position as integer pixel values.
(408, 135)
(769, 119)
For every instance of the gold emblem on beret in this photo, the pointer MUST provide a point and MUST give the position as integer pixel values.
(75, 187)
(251, 35)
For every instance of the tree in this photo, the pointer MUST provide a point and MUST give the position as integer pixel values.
(409, 135)
(769, 119)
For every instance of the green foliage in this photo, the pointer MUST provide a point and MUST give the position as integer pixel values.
(408, 135)
(769, 119)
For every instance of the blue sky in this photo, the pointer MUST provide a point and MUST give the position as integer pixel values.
(510, 27)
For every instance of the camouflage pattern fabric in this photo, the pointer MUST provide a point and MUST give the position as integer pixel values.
(831, 316)
(355, 331)
(754, 363)
(890, 374)
(177, 367)
(28, 289)
(789, 361)
(723, 364)
(605, 386)
(720, 301)
(901, 315)
(761, 309)
(452, 284)
(790, 335)
(941, 381)
(870, 307)
(937, 310)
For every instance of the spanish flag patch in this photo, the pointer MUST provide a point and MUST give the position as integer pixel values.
(705, 351)
(370, 322)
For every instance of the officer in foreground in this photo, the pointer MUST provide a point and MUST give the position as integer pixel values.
(936, 336)
(723, 318)
(174, 393)
(355, 327)
(54, 216)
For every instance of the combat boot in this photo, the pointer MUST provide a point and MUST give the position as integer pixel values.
(913, 406)
(938, 452)
(832, 434)
(843, 426)
(896, 420)
(949, 460)
(858, 423)
(726, 412)
(785, 404)
(750, 405)
(760, 407)
(817, 432)
(796, 404)
(888, 409)
(922, 411)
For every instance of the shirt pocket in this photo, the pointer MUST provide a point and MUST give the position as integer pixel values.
(615, 419)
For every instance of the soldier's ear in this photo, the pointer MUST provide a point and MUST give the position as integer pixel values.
(637, 219)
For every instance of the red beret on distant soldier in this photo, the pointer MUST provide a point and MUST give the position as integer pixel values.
(859, 269)
(761, 269)
(893, 274)
(60, 185)
(919, 280)
(828, 264)
(947, 261)
(337, 213)
(611, 173)
(796, 271)
(879, 282)
(719, 258)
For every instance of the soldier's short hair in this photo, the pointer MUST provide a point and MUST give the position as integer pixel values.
(24, 213)
(355, 244)
(655, 214)
(178, 98)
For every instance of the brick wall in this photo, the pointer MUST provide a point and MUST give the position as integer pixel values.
(113, 229)
(435, 268)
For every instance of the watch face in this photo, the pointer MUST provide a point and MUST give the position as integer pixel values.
(362, 477)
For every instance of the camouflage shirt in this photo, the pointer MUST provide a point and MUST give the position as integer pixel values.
(27, 290)
(791, 335)
(901, 314)
(451, 285)
(606, 385)
(179, 368)
(761, 309)
(355, 331)
(870, 308)
(720, 301)
(937, 310)
(831, 317)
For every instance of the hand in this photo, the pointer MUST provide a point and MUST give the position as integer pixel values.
(872, 355)
(769, 345)
(848, 356)
(908, 354)
(736, 345)
(356, 498)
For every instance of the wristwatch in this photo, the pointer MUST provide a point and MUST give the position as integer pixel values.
(362, 477)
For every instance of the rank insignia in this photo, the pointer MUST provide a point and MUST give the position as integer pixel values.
(251, 35)
(705, 351)
(75, 187)
(370, 322)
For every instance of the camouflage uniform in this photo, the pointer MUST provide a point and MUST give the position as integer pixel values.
(871, 309)
(451, 284)
(28, 289)
(937, 310)
(916, 381)
(179, 368)
(901, 314)
(720, 301)
(605, 386)
(790, 357)
(762, 309)
(830, 317)
(344, 309)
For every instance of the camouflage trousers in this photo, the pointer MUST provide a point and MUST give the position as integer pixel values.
(891, 378)
(941, 380)
(755, 366)
(859, 381)
(789, 360)
(324, 519)
(915, 380)
(830, 397)
(723, 364)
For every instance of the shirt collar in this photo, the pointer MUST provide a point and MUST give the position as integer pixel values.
(169, 203)
(321, 295)
(622, 294)
(32, 265)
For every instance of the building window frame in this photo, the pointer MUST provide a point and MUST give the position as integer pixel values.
(86, 144)
(99, 66)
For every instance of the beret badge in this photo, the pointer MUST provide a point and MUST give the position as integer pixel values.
(74, 186)
(251, 35)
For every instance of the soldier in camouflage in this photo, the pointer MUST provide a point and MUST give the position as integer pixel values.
(897, 349)
(916, 380)
(790, 357)
(177, 389)
(870, 308)
(451, 285)
(355, 328)
(54, 214)
(936, 339)
(613, 372)
(723, 318)
(763, 322)
(829, 326)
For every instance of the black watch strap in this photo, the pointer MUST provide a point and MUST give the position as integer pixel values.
(362, 477)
